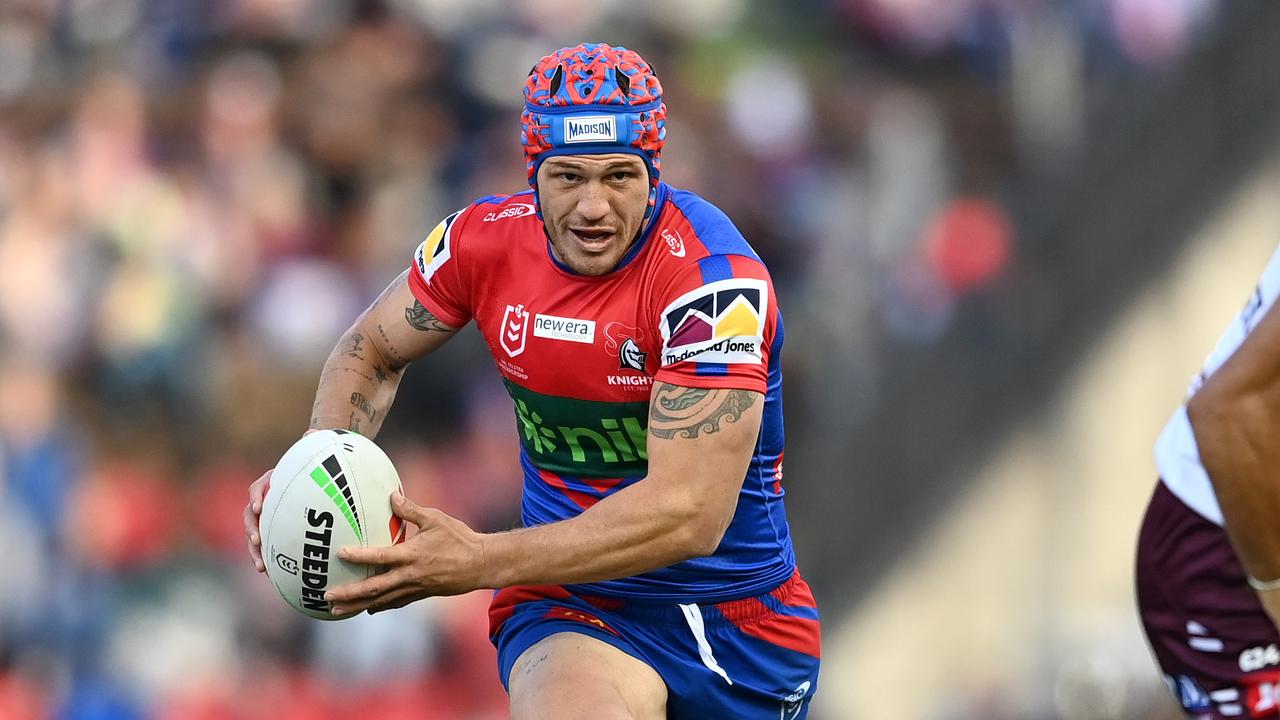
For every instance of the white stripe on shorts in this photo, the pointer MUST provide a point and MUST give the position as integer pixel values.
(693, 616)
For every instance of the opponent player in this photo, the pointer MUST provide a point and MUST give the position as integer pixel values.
(1208, 566)
(638, 335)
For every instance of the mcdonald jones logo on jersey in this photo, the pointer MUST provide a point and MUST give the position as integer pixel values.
(720, 322)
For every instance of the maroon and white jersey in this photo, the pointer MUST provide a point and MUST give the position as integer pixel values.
(1177, 457)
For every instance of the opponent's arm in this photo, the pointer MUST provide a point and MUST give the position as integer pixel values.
(1235, 417)
(700, 443)
(360, 378)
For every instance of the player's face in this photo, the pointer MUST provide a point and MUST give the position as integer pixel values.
(593, 206)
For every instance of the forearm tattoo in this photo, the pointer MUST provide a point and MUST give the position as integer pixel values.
(687, 412)
(354, 345)
(361, 403)
(393, 354)
(422, 319)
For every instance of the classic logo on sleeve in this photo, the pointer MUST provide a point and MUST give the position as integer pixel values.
(675, 243)
(720, 322)
(434, 251)
(514, 210)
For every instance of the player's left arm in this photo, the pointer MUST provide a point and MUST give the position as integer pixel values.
(700, 444)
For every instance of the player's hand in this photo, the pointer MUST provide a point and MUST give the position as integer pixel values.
(257, 491)
(257, 494)
(445, 558)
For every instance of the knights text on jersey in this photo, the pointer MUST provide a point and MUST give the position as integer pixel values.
(690, 304)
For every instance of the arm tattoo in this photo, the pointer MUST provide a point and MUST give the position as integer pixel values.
(686, 411)
(353, 424)
(353, 371)
(361, 403)
(391, 348)
(422, 319)
(354, 346)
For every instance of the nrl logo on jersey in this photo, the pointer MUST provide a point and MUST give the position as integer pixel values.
(514, 210)
(720, 322)
(513, 333)
(434, 251)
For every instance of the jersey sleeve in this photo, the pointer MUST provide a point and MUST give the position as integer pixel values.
(436, 275)
(717, 325)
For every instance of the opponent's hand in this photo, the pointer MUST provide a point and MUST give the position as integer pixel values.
(257, 491)
(445, 558)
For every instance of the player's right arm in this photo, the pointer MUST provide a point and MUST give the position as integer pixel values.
(361, 375)
(1235, 416)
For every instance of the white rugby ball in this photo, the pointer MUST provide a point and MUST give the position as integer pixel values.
(331, 490)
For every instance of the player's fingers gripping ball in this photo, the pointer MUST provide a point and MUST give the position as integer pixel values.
(332, 489)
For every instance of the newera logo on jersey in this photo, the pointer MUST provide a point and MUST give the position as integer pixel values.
(720, 322)
(564, 328)
(590, 128)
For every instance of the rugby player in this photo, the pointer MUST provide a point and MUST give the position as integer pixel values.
(639, 337)
(1208, 562)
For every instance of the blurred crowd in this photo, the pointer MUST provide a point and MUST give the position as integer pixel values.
(197, 198)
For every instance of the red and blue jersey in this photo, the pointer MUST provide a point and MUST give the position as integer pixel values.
(690, 304)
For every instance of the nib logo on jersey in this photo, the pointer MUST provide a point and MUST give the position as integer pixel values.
(720, 322)
(585, 438)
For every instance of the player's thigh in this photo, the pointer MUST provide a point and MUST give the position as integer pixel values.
(571, 676)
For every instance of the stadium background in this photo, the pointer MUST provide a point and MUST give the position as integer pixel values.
(1004, 233)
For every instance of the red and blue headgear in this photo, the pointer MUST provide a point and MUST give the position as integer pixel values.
(589, 100)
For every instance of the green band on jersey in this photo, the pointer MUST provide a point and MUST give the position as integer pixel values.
(582, 437)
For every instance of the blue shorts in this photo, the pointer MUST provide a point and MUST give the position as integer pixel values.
(752, 658)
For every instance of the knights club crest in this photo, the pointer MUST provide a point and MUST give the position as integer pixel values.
(620, 341)
(630, 356)
(515, 323)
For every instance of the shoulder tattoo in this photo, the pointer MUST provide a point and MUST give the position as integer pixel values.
(687, 411)
(420, 318)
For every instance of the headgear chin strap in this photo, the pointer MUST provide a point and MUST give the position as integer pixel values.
(593, 99)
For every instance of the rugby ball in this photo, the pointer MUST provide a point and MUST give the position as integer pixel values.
(331, 490)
